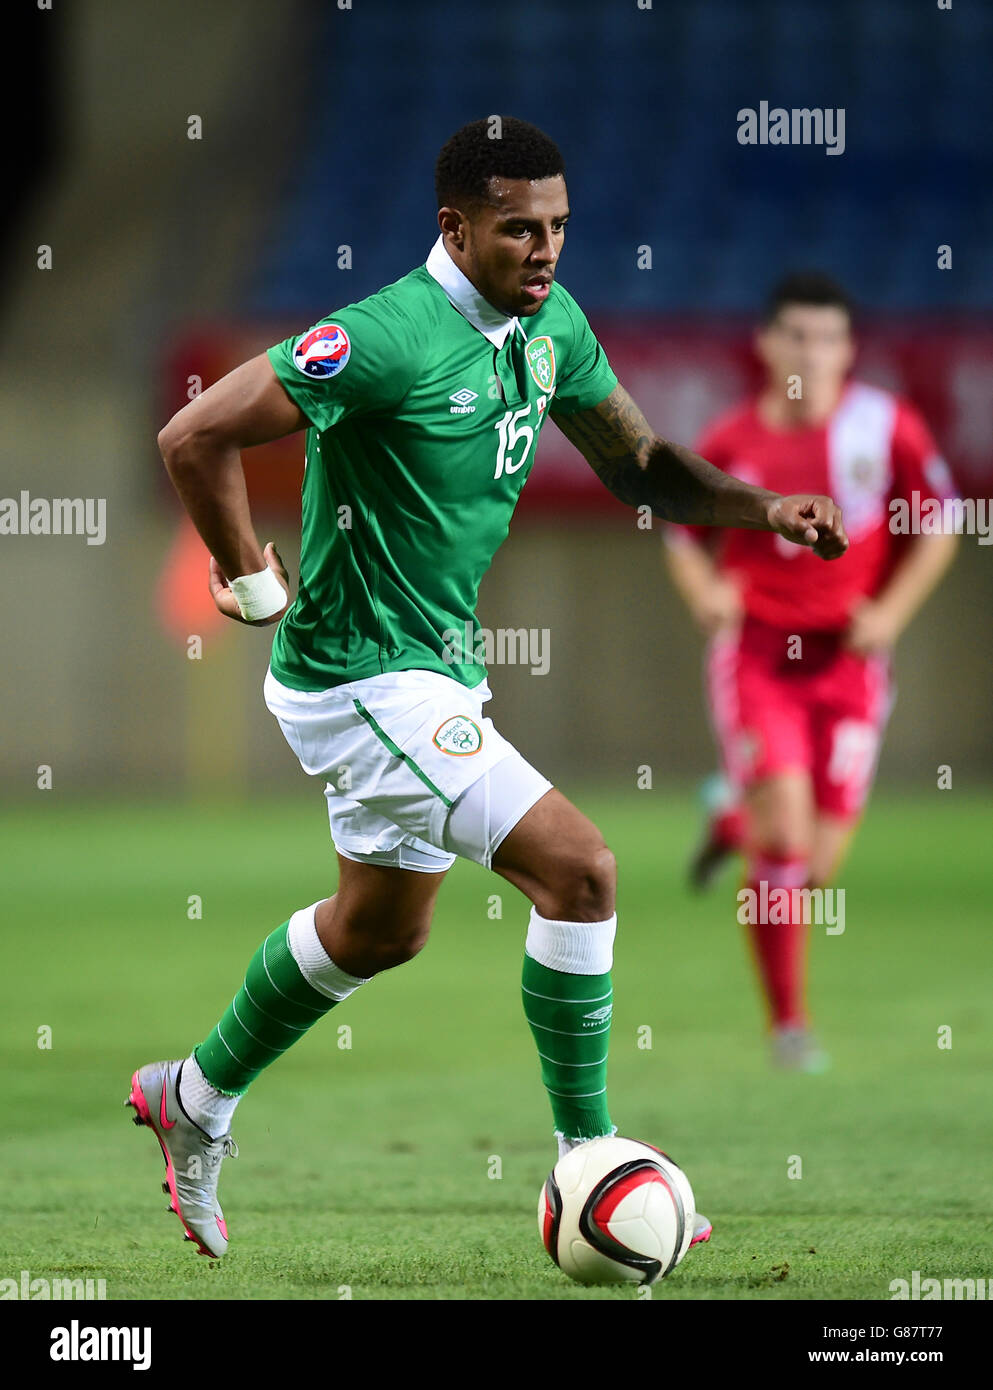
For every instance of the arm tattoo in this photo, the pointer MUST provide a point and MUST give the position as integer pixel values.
(642, 469)
(611, 437)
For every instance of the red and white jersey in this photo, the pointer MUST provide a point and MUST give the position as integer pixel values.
(875, 447)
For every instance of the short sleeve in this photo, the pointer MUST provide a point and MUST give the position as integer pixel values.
(361, 359)
(918, 465)
(585, 378)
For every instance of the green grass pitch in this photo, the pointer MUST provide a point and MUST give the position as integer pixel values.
(368, 1168)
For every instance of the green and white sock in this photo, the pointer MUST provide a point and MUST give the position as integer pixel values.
(290, 983)
(568, 1001)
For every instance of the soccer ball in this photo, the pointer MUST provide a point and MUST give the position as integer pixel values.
(616, 1211)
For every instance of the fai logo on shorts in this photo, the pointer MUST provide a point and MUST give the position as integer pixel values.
(458, 736)
(541, 360)
(323, 351)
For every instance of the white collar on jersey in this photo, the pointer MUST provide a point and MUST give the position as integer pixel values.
(493, 325)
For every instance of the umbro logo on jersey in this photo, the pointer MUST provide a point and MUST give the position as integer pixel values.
(462, 399)
(600, 1015)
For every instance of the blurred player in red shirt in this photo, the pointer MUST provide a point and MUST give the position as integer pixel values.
(798, 662)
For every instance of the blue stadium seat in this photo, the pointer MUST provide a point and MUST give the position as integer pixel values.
(644, 104)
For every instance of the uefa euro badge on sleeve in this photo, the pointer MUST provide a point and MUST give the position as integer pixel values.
(322, 352)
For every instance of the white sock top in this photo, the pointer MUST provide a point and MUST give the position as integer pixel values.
(575, 948)
(316, 966)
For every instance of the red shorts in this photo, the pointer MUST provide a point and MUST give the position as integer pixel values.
(822, 712)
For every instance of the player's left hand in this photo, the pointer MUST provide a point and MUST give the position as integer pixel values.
(872, 628)
(811, 521)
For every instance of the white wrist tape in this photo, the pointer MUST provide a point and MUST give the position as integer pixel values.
(259, 595)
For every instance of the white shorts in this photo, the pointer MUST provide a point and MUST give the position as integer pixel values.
(415, 774)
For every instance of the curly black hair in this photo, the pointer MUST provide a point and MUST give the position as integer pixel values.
(496, 147)
(807, 287)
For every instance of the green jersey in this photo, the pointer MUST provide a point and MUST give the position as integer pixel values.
(425, 406)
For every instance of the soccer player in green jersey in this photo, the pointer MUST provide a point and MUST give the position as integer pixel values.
(422, 405)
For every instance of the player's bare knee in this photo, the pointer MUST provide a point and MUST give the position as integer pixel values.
(399, 950)
(783, 841)
(583, 889)
(372, 947)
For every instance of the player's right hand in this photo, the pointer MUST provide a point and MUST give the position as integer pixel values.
(220, 590)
